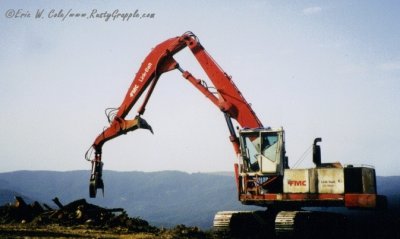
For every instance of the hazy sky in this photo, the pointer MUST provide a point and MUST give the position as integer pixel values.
(327, 69)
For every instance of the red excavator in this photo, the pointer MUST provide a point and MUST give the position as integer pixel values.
(262, 172)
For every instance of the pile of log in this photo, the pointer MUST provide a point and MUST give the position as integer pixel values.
(19, 212)
(78, 212)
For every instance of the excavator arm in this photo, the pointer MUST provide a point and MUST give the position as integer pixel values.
(160, 60)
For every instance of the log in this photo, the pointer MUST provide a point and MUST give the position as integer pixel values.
(19, 202)
(58, 203)
(47, 207)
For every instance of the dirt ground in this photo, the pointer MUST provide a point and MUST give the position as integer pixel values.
(57, 231)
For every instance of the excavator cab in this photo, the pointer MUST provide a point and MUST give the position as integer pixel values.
(262, 151)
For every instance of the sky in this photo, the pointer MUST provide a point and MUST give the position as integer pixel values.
(328, 69)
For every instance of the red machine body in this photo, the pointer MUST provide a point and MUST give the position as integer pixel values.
(262, 173)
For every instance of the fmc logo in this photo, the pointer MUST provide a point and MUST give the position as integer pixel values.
(297, 182)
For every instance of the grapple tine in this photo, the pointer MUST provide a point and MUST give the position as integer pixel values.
(96, 180)
(142, 124)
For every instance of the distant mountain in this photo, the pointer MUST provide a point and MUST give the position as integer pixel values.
(8, 196)
(163, 198)
(388, 185)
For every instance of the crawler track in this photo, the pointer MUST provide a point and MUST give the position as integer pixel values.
(309, 224)
(285, 224)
